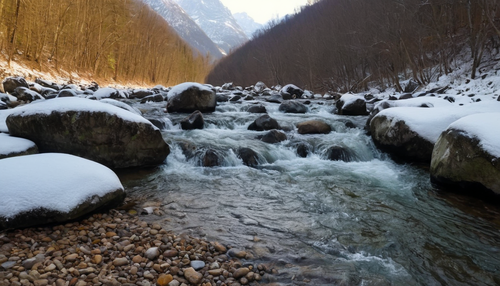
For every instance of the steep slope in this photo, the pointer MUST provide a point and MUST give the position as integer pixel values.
(247, 23)
(217, 22)
(187, 29)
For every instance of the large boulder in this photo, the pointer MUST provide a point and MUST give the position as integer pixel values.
(189, 96)
(350, 104)
(466, 156)
(395, 136)
(13, 146)
(314, 127)
(11, 83)
(54, 188)
(97, 131)
(289, 106)
(265, 122)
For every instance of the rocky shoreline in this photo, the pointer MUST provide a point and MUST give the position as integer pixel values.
(118, 248)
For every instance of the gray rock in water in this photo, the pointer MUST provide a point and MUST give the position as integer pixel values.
(248, 156)
(274, 136)
(211, 159)
(193, 121)
(337, 153)
(259, 108)
(96, 134)
(289, 106)
(265, 122)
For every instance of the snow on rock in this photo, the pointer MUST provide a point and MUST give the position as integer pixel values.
(107, 92)
(190, 96)
(121, 105)
(91, 129)
(291, 91)
(47, 188)
(467, 154)
(350, 104)
(411, 132)
(13, 146)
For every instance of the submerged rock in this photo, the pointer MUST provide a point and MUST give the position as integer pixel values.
(338, 153)
(211, 159)
(259, 108)
(90, 129)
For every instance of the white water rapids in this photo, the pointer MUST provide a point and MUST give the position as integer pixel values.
(320, 222)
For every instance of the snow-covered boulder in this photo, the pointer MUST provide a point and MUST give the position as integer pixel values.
(410, 132)
(290, 106)
(350, 104)
(91, 129)
(107, 92)
(467, 155)
(121, 105)
(190, 96)
(291, 91)
(13, 146)
(140, 93)
(11, 83)
(52, 188)
(26, 94)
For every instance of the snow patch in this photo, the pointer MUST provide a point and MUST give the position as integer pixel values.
(9, 144)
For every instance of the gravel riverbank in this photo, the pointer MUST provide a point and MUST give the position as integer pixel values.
(118, 248)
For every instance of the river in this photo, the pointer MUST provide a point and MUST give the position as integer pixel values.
(370, 221)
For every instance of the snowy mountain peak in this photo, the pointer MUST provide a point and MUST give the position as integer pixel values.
(217, 22)
(247, 23)
(187, 29)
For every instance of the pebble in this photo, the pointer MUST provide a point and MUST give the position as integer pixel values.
(197, 264)
(116, 249)
(240, 272)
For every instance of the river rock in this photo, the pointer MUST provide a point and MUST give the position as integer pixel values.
(274, 136)
(60, 187)
(259, 108)
(152, 253)
(107, 92)
(120, 261)
(460, 162)
(67, 93)
(11, 83)
(291, 91)
(48, 84)
(275, 98)
(193, 121)
(13, 146)
(259, 87)
(189, 97)
(140, 93)
(90, 129)
(211, 159)
(289, 106)
(248, 156)
(241, 272)
(394, 136)
(153, 98)
(313, 127)
(192, 276)
(25, 94)
(197, 264)
(350, 104)
(265, 122)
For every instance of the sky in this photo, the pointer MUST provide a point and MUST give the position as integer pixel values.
(264, 10)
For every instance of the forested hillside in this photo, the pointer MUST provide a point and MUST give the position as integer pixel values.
(342, 45)
(123, 40)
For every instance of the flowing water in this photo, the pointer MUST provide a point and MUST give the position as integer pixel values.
(370, 221)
